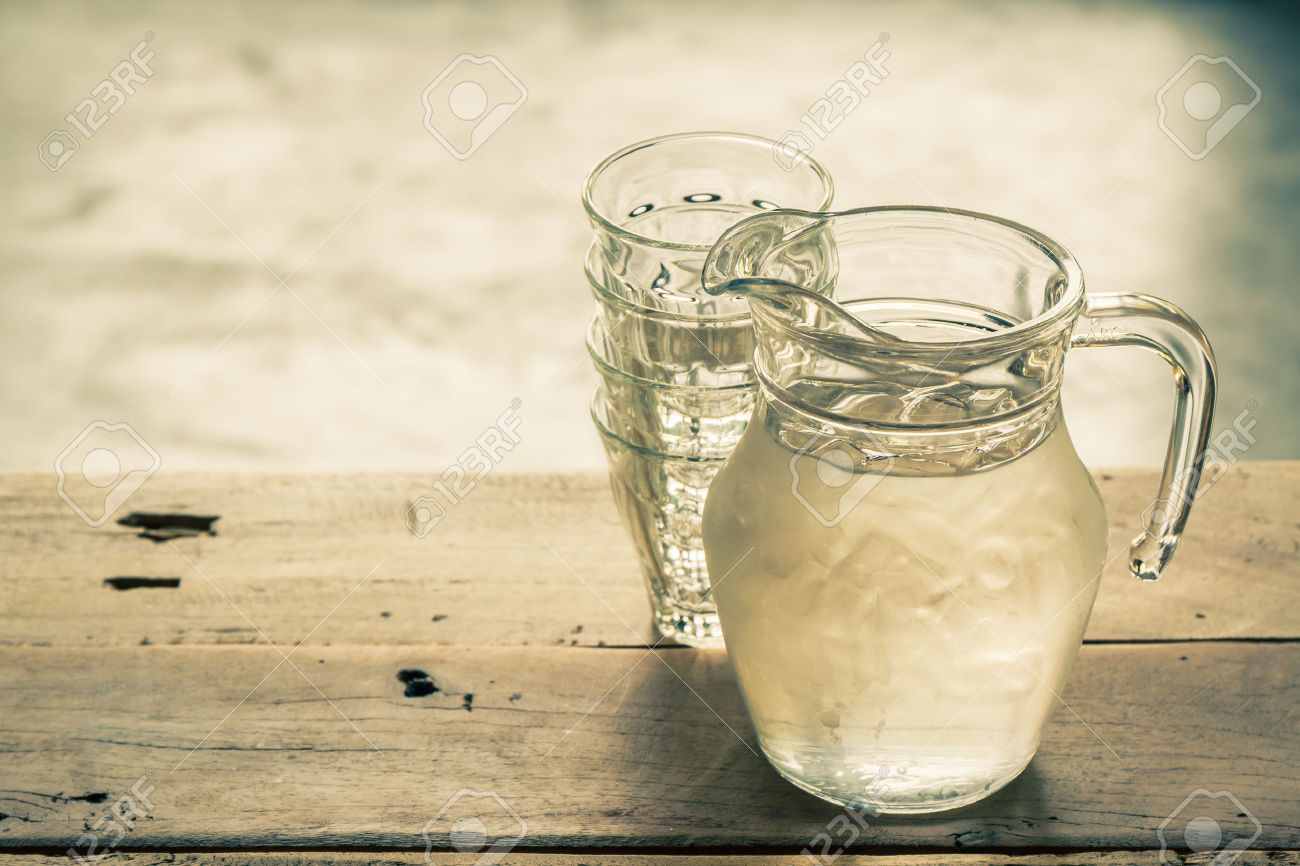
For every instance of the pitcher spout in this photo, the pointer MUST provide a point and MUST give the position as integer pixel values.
(789, 245)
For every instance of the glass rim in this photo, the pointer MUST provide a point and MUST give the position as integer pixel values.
(1066, 306)
(607, 368)
(589, 185)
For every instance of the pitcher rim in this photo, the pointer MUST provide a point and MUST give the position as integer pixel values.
(1067, 306)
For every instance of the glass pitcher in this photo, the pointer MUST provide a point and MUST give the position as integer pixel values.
(907, 546)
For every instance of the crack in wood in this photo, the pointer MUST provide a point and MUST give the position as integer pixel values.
(165, 527)
(92, 797)
(122, 584)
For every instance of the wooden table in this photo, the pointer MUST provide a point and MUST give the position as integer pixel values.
(261, 691)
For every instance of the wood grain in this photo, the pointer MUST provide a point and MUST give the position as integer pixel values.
(593, 749)
(406, 858)
(524, 560)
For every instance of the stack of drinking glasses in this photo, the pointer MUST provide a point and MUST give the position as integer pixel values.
(677, 385)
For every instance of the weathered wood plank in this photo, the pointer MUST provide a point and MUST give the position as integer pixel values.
(406, 858)
(508, 565)
(647, 765)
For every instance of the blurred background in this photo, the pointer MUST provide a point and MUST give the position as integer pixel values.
(259, 257)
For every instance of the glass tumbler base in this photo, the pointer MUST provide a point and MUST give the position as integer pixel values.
(685, 626)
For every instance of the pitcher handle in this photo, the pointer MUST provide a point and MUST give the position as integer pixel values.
(1140, 320)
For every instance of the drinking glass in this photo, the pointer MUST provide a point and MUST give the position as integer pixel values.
(676, 362)
(660, 498)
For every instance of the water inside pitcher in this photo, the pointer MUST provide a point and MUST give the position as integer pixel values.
(912, 545)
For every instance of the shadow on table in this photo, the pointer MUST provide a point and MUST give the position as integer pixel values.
(684, 743)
